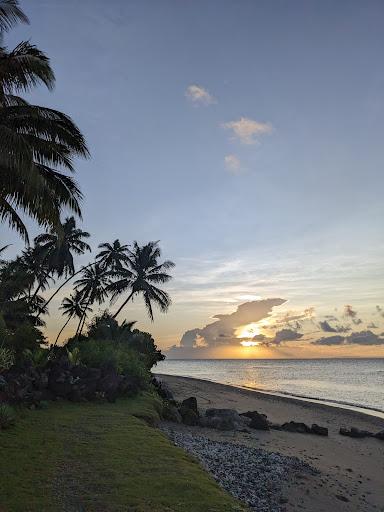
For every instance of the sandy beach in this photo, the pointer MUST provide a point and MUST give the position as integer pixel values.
(351, 471)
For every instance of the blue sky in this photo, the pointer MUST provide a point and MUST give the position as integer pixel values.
(294, 210)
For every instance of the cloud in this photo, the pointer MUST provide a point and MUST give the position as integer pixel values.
(365, 338)
(247, 130)
(330, 340)
(198, 95)
(327, 327)
(349, 311)
(222, 331)
(356, 338)
(286, 335)
(232, 164)
(372, 325)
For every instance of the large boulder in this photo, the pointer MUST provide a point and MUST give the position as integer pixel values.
(294, 426)
(380, 435)
(224, 419)
(190, 403)
(319, 431)
(258, 421)
(189, 416)
(355, 432)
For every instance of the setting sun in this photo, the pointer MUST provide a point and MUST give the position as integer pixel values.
(248, 331)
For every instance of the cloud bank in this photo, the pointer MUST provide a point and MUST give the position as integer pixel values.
(222, 331)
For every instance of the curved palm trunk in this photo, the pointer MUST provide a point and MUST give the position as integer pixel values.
(61, 330)
(82, 319)
(123, 304)
(61, 286)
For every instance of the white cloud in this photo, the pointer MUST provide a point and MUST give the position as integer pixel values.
(247, 130)
(232, 164)
(199, 95)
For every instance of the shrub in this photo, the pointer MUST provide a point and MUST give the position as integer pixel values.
(99, 353)
(7, 358)
(7, 416)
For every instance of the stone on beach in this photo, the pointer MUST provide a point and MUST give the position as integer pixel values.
(258, 421)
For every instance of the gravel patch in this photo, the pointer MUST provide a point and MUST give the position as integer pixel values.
(254, 476)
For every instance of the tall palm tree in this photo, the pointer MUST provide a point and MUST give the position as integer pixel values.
(10, 14)
(38, 143)
(32, 261)
(113, 256)
(140, 277)
(93, 287)
(57, 250)
(72, 306)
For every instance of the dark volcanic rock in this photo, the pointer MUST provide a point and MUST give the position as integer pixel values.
(380, 435)
(189, 416)
(355, 432)
(319, 431)
(258, 421)
(190, 403)
(294, 426)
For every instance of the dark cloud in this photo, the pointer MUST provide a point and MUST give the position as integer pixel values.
(222, 331)
(356, 338)
(286, 335)
(330, 340)
(326, 327)
(365, 338)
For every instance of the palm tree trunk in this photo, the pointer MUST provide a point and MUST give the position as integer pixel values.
(123, 304)
(82, 319)
(61, 286)
(61, 330)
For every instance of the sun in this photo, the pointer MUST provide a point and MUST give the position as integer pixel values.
(247, 331)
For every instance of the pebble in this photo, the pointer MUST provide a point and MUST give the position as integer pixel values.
(252, 475)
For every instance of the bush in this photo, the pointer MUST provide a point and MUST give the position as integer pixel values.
(99, 353)
(7, 358)
(7, 416)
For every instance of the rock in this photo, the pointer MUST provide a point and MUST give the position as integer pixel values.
(258, 421)
(162, 389)
(190, 403)
(319, 431)
(355, 432)
(275, 426)
(341, 498)
(171, 413)
(380, 435)
(189, 416)
(293, 426)
(219, 422)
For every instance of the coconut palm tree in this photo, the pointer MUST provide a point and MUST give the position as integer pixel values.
(113, 256)
(72, 306)
(32, 262)
(57, 250)
(93, 287)
(38, 143)
(140, 276)
(10, 14)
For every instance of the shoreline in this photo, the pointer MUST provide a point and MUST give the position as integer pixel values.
(366, 411)
(349, 470)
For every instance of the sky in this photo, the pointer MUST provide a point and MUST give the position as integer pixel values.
(246, 136)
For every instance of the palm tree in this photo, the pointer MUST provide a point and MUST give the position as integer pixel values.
(72, 306)
(113, 256)
(32, 262)
(38, 143)
(140, 277)
(93, 287)
(10, 14)
(57, 250)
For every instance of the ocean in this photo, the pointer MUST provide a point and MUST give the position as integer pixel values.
(349, 383)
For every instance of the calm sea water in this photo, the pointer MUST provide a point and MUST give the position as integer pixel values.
(346, 382)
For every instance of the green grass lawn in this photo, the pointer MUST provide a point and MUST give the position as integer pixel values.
(99, 457)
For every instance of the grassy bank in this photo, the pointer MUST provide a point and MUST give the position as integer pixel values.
(100, 458)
